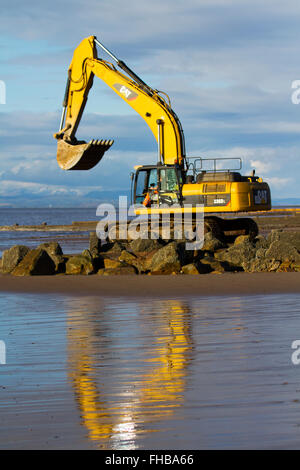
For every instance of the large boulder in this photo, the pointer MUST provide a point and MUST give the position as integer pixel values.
(278, 252)
(52, 248)
(237, 255)
(56, 254)
(196, 268)
(111, 263)
(166, 260)
(282, 251)
(132, 260)
(115, 248)
(212, 265)
(95, 245)
(12, 257)
(290, 238)
(144, 245)
(212, 243)
(80, 264)
(37, 262)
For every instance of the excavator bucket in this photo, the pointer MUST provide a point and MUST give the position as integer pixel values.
(81, 155)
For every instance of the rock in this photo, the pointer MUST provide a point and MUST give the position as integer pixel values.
(261, 265)
(56, 254)
(211, 243)
(140, 245)
(116, 247)
(132, 260)
(12, 257)
(283, 251)
(291, 238)
(166, 260)
(277, 253)
(95, 244)
(286, 267)
(261, 242)
(212, 264)
(261, 253)
(189, 269)
(237, 255)
(295, 266)
(110, 263)
(117, 271)
(52, 248)
(87, 254)
(242, 239)
(37, 262)
(95, 259)
(79, 264)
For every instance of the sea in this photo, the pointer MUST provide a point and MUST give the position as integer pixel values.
(125, 373)
(71, 242)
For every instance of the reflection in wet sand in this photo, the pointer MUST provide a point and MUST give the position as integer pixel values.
(128, 377)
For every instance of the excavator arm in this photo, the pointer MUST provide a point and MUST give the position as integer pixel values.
(147, 102)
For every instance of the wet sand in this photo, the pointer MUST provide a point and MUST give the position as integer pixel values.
(156, 286)
(149, 373)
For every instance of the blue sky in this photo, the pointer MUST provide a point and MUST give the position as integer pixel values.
(227, 65)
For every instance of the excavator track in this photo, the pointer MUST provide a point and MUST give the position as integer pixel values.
(224, 229)
(229, 229)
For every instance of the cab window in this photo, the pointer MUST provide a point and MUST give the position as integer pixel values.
(168, 180)
(141, 186)
(146, 179)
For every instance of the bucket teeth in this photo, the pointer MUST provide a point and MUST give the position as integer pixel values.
(105, 143)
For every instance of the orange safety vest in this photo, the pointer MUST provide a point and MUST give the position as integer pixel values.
(147, 200)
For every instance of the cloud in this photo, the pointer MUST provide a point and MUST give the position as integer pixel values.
(226, 65)
(261, 167)
(279, 183)
(21, 188)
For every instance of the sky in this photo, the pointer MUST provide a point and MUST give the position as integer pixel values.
(227, 65)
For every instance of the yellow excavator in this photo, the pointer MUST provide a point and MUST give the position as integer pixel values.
(175, 180)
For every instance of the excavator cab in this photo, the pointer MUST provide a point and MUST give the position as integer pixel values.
(157, 185)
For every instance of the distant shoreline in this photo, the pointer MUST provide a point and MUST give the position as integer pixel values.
(233, 284)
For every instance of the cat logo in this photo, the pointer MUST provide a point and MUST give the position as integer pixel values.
(126, 92)
(260, 196)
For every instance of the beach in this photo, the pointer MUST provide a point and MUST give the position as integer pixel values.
(101, 368)
(149, 361)
(156, 286)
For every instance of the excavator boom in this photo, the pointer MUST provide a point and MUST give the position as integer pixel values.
(152, 107)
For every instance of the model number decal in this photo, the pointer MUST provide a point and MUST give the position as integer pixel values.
(126, 92)
(219, 201)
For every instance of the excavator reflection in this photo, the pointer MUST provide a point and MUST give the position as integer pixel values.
(123, 388)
